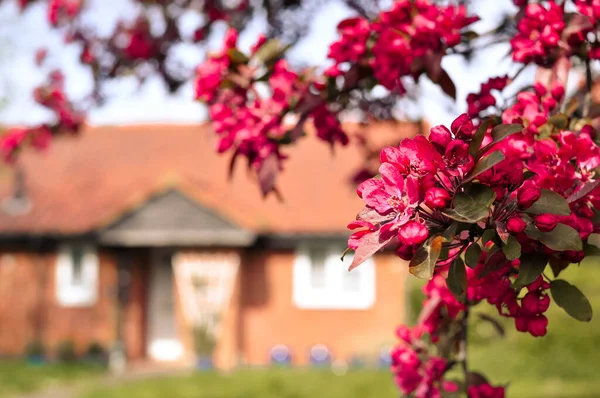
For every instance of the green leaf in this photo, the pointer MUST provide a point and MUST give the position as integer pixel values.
(450, 232)
(457, 278)
(499, 133)
(484, 164)
(423, 262)
(559, 121)
(472, 205)
(512, 248)
(236, 56)
(478, 137)
(528, 175)
(562, 237)
(532, 266)
(472, 255)
(488, 235)
(571, 299)
(270, 51)
(502, 131)
(558, 265)
(550, 202)
(594, 240)
(545, 131)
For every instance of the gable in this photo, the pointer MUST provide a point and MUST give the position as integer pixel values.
(172, 219)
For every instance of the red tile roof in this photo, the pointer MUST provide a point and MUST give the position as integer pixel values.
(84, 183)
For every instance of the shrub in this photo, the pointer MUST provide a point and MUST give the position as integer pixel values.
(35, 348)
(65, 351)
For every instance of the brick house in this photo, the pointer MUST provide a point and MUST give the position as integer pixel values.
(133, 236)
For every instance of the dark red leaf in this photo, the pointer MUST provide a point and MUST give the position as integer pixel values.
(232, 163)
(267, 174)
(587, 188)
(372, 216)
(447, 85)
(369, 245)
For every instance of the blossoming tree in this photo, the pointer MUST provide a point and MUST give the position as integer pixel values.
(480, 209)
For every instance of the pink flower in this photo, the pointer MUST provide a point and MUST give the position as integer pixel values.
(412, 233)
(458, 160)
(538, 34)
(440, 135)
(533, 303)
(11, 141)
(414, 156)
(363, 227)
(485, 390)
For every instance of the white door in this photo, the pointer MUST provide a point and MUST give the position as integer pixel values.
(163, 343)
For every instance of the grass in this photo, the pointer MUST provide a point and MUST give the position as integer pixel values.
(18, 377)
(267, 383)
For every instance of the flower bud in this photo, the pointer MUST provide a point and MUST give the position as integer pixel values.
(558, 91)
(403, 333)
(405, 252)
(462, 127)
(412, 233)
(437, 198)
(546, 222)
(528, 194)
(515, 225)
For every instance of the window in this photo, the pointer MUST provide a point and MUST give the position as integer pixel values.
(77, 275)
(322, 281)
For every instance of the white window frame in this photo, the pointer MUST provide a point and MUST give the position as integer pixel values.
(333, 295)
(84, 293)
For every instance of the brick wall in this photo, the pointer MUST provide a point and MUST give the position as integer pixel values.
(269, 316)
(29, 309)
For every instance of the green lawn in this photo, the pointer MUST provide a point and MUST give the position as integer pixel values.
(18, 377)
(258, 384)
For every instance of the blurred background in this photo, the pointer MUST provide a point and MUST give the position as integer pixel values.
(131, 265)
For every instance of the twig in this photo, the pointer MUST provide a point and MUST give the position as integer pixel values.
(588, 88)
(462, 345)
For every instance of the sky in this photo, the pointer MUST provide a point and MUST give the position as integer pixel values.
(128, 102)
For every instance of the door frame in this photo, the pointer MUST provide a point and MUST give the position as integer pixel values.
(169, 349)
